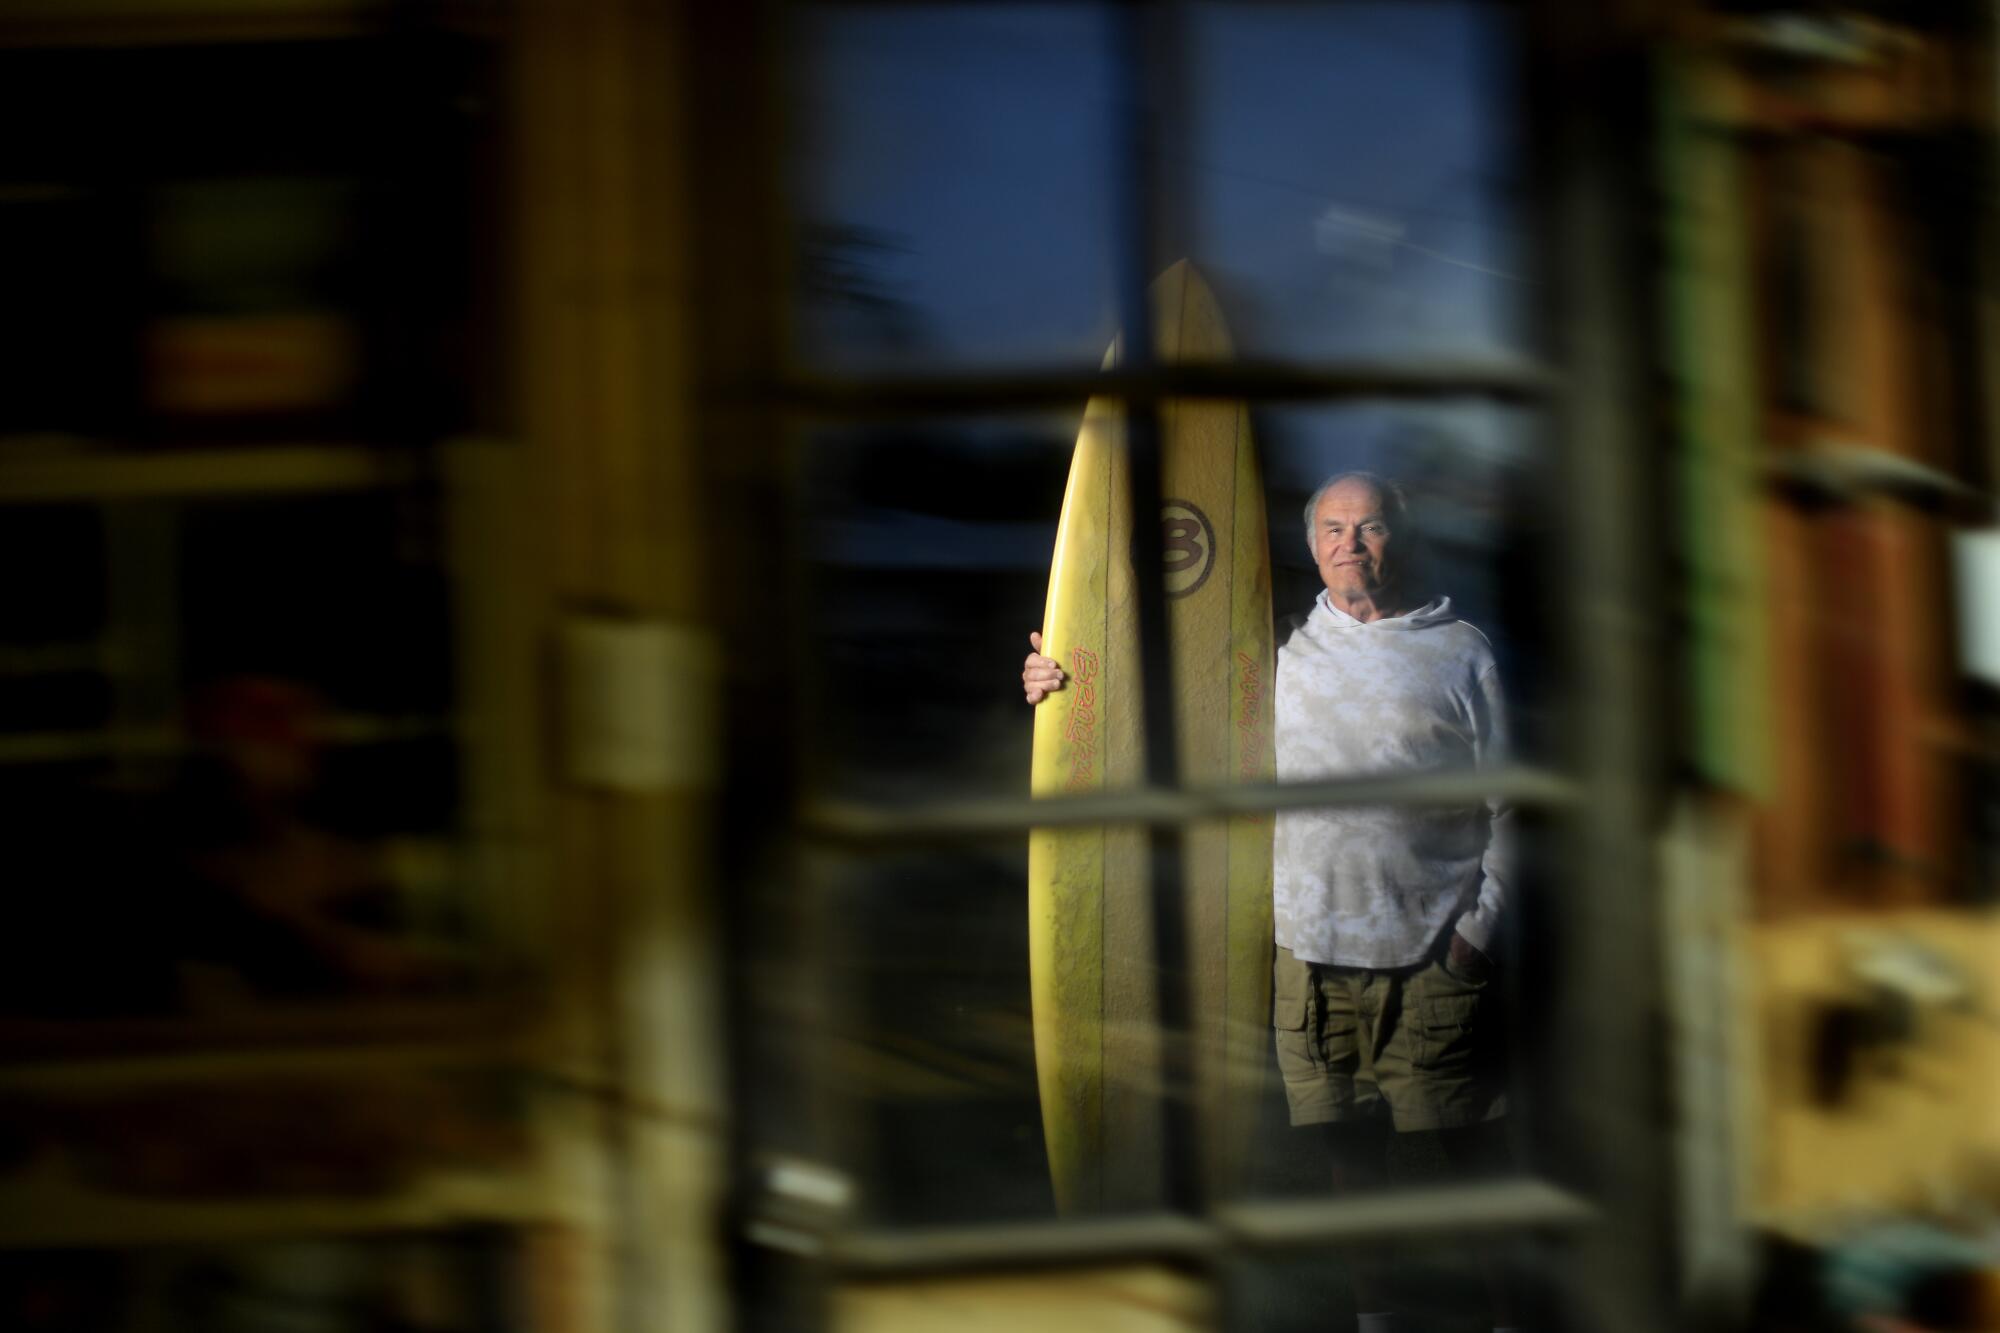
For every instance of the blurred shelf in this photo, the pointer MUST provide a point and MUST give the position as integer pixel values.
(296, 469)
(46, 1208)
(1843, 472)
(485, 1050)
(230, 1161)
(164, 742)
(54, 659)
(382, 1030)
(168, 23)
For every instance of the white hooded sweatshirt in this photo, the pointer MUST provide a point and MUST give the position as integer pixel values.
(1377, 886)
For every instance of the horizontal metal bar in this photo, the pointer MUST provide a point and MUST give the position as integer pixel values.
(1503, 1205)
(1844, 472)
(1451, 1210)
(1021, 1244)
(851, 821)
(491, 1047)
(1511, 380)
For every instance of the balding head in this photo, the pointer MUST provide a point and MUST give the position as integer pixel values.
(1353, 523)
(1389, 494)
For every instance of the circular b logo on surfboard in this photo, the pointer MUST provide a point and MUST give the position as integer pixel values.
(1187, 540)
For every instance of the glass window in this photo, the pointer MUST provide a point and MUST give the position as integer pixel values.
(1345, 178)
(1476, 477)
(927, 1043)
(926, 547)
(1352, 177)
(954, 185)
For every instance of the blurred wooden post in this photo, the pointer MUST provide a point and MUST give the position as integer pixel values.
(608, 525)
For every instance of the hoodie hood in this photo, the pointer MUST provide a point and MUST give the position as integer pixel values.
(1437, 611)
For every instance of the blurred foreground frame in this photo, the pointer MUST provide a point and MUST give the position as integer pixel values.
(314, 461)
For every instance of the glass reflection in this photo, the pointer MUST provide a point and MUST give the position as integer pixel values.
(1348, 171)
(927, 559)
(1452, 1282)
(955, 176)
(925, 1037)
(1345, 174)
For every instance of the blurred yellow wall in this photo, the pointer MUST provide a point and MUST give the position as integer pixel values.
(1920, 1124)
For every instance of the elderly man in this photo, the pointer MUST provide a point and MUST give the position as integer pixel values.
(1386, 916)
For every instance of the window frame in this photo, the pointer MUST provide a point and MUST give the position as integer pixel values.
(1585, 86)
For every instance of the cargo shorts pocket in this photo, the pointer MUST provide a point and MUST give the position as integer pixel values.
(1291, 992)
(1454, 1014)
(1453, 1011)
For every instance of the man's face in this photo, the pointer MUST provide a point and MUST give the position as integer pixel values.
(1351, 541)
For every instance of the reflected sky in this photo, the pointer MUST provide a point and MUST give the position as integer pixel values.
(1346, 173)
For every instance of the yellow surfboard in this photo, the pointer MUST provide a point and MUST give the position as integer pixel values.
(1089, 940)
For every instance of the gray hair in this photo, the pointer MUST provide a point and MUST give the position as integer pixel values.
(1395, 502)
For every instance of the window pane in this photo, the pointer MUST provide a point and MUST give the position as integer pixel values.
(1346, 175)
(926, 542)
(954, 184)
(927, 1042)
(1474, 475)
(928, 554)
(1393, 1062)
(1452, 1282)
(927, 547)
(1382, 1039)
(1351, 176)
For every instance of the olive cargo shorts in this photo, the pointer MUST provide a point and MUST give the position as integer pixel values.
(1423, 1039)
